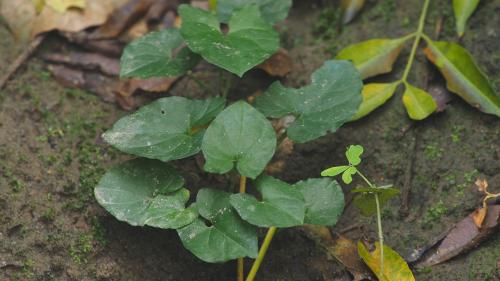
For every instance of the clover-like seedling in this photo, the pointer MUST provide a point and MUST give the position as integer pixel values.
(369, 199)
(215, 225)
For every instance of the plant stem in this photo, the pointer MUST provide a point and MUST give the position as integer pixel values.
(379, 223)
(262, 252)
(241, 266)
(227, 84)
(418, 35)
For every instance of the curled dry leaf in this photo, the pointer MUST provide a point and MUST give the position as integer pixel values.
(96, 83)
(122, 18)
(463, 237)
(350, 9)
(156, 84)
(279, 64)
(482, 185)
(87, 61)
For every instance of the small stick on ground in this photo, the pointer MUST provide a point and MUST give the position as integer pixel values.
(21, 59)
(406, 191)
(349, 228)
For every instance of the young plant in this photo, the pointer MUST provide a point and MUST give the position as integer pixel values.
(218, 226)
(384, 261)
(463, 76)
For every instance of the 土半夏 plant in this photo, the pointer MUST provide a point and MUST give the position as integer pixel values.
(216, 225)
(386, 263)
(463, 77)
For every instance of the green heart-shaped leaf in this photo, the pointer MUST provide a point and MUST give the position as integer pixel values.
(166, 129)
(333, 171)
(324, 201)
(347, 175)
(249, 42)
(365, 201)
(241, 136)
(332, 98)
(374, 56)
(281, 205)
(145, 192)
(463, 76)
(353, 154)
(463, 10)
(419, 104)
(228, 237)
(272, 11)
(157, 54)
(375, 95)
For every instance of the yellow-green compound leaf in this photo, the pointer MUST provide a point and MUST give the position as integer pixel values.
(331, 100)
(463, 10)
(419, 104)
(324, 201)
(347, 175)
(375, 95)
(240, 135)
(157, 54)
(395, 267)
(271, 10)
(249, 42)
(350, 8)
(166, 129)
(374, 56)
(365, 199)
(462, 75)
(228, 236)
(282, 205)
(62, 5)
(145, 192)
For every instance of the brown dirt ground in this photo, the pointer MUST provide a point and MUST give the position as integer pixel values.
(51, 157)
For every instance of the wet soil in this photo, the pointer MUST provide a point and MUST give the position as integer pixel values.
(51, 156)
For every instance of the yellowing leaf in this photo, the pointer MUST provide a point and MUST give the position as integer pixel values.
(463, 10)
(373, 57)
(19, 16)
(462, 75)
(62, 5)
(39, 4)
(419, 104)
(374, 95)
(395, 268)
(350, 8)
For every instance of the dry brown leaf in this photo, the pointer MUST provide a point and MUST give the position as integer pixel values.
(479, 215)
(19, 16)
(482, 185)
(279, 64)
(463, 237)
(87, 61)
(122, 18)
(156, 84)
(95, 13)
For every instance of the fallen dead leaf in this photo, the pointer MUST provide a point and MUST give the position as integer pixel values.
(62, 5)
(279, 64)
(19, 16)
(479, 215)
(87, 61)
(463, 237)
(156, 84)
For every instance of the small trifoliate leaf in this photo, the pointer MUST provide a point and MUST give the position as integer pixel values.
(145, 192)
(324, 201)
(333, 171)
(159, 53)
(228, 237)
(332, 99)
(167, 129)
(272, 11)
(353, 154)
(240, 135)
(249, 42)
(282, 205)
(347, 175)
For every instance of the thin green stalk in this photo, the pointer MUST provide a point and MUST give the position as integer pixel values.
(227, 84)
(241, 266)
(262, 253)
(418, 35)
(379, 223)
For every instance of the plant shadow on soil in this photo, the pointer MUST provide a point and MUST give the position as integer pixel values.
(51, 156)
